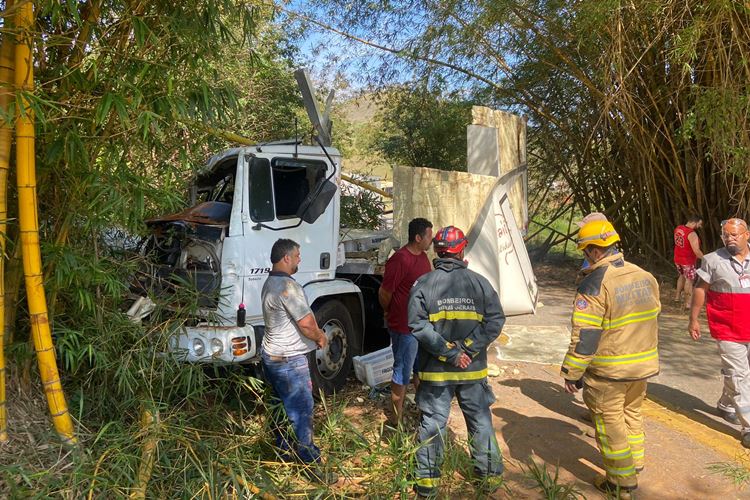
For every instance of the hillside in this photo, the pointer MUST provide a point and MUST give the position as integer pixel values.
(355, 128)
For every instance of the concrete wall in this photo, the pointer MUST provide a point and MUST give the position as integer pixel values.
(496, 144)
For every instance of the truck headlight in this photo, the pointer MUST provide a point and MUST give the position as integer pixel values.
(217, 346)
(198, 347)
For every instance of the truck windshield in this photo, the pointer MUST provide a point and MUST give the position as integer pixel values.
(218, 184)
(278, 187)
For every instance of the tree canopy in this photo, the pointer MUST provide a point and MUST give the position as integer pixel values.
(639, 108)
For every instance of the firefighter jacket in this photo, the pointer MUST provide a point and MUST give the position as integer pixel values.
(453, 310)
(615, 329)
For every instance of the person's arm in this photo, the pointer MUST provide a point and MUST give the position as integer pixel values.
(699, 298)
(309, 328)
(392, 276)
(695, 244)
(588, 318)
(295, 304)
(385, 297)
(424, 331)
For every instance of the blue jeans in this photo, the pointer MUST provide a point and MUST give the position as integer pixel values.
(292, 388)
(435, 403)
(404, 347)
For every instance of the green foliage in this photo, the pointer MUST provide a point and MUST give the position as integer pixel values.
(423, 127)
(737, 473)
(549, 484)
(125, 94)
(361, 209)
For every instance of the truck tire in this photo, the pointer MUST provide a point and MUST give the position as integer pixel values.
(329, 367)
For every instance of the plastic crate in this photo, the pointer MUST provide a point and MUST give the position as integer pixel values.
(375, 368)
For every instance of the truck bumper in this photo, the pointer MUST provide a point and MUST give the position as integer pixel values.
(214, 344)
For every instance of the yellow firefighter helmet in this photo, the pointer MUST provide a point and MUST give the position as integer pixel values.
(600, 233)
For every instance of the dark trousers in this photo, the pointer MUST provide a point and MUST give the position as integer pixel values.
(435, 403)
(292, 387)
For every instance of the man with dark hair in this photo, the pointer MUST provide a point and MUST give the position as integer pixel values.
(290, 333)
(687, 251)
(455, 314)
(401, 271)
(724, 285)
(613, 352)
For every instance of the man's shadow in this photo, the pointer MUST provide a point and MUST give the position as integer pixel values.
(691, 407)
(550, 395)
(554, 441)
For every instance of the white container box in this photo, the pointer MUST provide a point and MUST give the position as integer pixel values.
(375, 368)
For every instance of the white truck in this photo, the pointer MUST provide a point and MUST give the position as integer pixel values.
(245, 200)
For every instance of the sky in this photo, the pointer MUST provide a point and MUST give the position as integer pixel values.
(331, 58)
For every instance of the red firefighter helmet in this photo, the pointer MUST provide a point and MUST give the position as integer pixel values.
(449, 239)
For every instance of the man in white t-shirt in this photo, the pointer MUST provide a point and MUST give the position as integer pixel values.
(290, 333)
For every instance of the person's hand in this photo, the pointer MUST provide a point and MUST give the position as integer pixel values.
(694, 328)
(570, 386)
(462, 361)
(322, 340)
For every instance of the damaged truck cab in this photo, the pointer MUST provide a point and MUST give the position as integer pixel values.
(220, 248)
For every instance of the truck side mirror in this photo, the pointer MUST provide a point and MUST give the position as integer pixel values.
(316, 202)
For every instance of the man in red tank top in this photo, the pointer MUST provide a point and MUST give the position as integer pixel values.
(687, 251)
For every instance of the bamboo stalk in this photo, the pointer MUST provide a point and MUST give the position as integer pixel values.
(150, 429)
(6, 138)
(249, 486)
(13, 280)
(29, 228)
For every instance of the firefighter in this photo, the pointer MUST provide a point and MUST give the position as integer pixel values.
(613, 351)
(454, 313)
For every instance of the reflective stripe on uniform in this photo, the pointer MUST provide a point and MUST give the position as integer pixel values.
(574, 362)
(616, 455)
(452, 376)
(631, 318)
(588, 319)
(626, 359)
(636, 438)
(603, 440)
(428, 482)
(620, 471)
(639, 453)
(454, 315)
(600, 430)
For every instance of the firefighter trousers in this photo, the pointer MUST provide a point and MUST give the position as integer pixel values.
(616, 412)
(435, 403)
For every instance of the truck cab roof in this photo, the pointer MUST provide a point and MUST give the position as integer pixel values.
(217, 166)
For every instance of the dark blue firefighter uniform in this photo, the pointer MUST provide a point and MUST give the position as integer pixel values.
(453, 310)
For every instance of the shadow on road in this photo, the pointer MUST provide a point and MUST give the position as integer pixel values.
(691, 407)
(550, 395)
(554, 441)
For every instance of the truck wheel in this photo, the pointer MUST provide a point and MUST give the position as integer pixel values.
(330, 366)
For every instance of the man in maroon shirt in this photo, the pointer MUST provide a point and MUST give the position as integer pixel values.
(401, 271)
